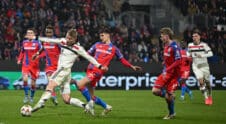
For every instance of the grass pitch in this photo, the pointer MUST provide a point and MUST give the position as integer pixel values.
(129, 107)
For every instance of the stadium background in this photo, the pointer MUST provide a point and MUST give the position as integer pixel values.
(135, 29)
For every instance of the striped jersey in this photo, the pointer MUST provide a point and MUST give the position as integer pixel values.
(201, 49)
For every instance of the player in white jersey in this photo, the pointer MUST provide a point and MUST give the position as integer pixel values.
(199, 51)
(62, 76)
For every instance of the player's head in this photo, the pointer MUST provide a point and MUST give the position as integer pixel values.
(166, 34)
(71, 37)
(49, 31)
(30, 34)
(105, 34)
(196, 35)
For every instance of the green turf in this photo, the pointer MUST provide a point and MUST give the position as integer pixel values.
(129, 107)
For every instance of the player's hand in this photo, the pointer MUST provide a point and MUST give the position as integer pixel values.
(136, 68)
(34, 56)
(18, 62)
(104, 68)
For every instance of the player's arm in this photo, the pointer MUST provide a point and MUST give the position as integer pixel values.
(208, 51)
(92, 50)
(41, 49)
(52, 40)
(21, 55)
(81, 51)
(125, 62)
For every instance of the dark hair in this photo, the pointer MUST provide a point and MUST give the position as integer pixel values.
(196, 31)
(105, 30)
(49, 27)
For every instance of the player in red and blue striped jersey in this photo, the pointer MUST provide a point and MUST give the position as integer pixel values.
(185, 71)
(30, 67)
(103, 52)
(50, 52)
(171, 72)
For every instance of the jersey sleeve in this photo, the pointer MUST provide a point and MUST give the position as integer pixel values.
(118, 53)
(21, 55)
(92, 49)
(208, 51)
(52, 40)
(176, 51)
(81, 51)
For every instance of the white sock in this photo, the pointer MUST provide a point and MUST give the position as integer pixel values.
(204, 91)
(76, 102)
(45, 96)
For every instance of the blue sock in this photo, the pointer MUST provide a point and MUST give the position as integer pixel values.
(32, 93)
(86, 94)
(183, 89)
(163, 93)
(171, 107)
(187, 90)
(100, 102)
(26, 89)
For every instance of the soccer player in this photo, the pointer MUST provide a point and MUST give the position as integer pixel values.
(199, 51)
(185, 71)
(62, 76)
(51, 52)
(166, 83)
(103, 52)
(30, 67)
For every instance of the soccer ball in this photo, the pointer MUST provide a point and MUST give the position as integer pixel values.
(26, 110)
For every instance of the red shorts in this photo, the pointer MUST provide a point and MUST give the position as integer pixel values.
(94, 76)
(167, 81)
(50, 69)
(31, 70)
(185, 74)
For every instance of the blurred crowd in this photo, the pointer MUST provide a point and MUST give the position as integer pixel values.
(215, 8)
(87, 16)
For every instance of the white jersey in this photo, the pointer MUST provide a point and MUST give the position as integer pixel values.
(69, 54)
(201, 49)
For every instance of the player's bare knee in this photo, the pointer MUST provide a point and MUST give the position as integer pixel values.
(66, 98)
(156, 91)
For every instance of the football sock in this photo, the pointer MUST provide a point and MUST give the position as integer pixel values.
(77, 102)
(26, 89)
(162, 93)
(32, 93)
(100, 102)
(171, 106)
(45, 96)
(204, 91)
(209, 88)
(183, 89)
(86, 94)
(187, 90)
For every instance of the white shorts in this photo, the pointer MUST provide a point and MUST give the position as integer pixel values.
(202, 73)
(62, 76)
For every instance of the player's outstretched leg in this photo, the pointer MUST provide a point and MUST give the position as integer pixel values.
(99, 101)
(41, 103)
(170, 102)
(90, 107)
(209, 92)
